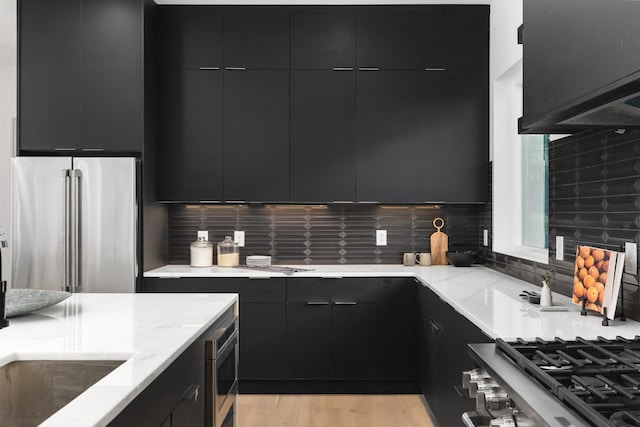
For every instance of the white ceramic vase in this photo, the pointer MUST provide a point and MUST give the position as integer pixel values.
(545, 295)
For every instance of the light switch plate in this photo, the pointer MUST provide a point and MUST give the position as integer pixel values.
(560, 248)
(238, 237)
(485, 237)
(631, 258)
(381, 237)
(203, 233)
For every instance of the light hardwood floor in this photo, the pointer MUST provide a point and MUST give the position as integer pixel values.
(319, 410)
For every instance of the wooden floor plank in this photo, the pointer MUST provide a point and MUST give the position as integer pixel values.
(273, 410)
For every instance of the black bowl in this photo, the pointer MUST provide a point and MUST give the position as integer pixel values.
(461, 259)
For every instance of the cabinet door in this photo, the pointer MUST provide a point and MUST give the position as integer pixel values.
(388, 140)
(189, 135)
(256, 40)
(49, 67)
(112, 71)
(262, 341)
(389, 41)
(397, 314)
(308, 340)
(322, 41)
(188, 375)
(355, 343)
(322, 146)
(455, 139)
(256, 135)
(189, 37)
(456, 38)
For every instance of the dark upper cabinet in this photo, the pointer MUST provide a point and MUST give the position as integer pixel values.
(456, 38)
(455, 140)
(256, 135)
(322, 136)
(81, 81)
(189, 37)
(190, 145)
(388, 41)
(256, 40)
(322, 41)
(49, 67)
(388, 136)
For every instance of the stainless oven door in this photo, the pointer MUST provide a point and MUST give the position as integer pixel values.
(226, 377)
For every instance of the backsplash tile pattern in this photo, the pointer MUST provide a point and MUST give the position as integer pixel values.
(594, 199)
(323, 234)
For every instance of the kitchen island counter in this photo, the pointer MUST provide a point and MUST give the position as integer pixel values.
(486, 297)
(147, 331)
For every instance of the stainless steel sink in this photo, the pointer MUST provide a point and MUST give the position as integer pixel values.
(33, 390)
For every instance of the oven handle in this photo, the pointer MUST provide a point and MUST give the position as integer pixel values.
(228, 346)
(466, 419)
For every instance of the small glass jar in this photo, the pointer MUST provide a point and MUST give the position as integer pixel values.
(201, 253)
(228, 253)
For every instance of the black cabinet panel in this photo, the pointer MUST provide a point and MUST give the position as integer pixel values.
(189, 135)
(112, 72)
(49, 61)
(256, 40)
(308, 340)
(256, 135)
(322, 41)
(388, 136)
(262, 340)
(355, 342)
(348, 289)
(456, 39)
(189, 37)
(397, 316)
(322, 145)
(455, 141)
(389, 41)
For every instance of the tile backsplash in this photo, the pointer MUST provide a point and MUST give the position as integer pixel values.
(323, 234)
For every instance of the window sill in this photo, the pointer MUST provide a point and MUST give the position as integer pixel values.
(528, 253)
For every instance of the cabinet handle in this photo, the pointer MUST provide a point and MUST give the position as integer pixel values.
(209, 68)
(192, 393)
(435, 69)
(368, 69)
(345, 303)
(342, 68)
(235, 68)
(208, 201)
(64, 149)
(236, 202)
(166, 277)
(317, 303)
(330, 277)
(460, 392)
(92, 149)
(369, 202)
(259, 278)
(434, 325)
(434, 202)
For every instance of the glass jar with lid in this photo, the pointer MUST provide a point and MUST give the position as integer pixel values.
(228, 253)
(201, 253)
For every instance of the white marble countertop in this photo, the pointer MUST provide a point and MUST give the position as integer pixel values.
(148, 331)
(486, 297)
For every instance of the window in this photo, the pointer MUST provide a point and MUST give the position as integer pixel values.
(520, 177)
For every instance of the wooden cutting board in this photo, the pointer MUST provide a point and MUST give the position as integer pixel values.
(439, 244)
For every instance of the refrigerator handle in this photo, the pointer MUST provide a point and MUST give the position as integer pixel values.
(67, 226)
(76, 286)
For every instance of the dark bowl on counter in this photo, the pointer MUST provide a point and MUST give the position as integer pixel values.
(461, 259)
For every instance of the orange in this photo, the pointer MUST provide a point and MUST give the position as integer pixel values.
(589, 281)
(592, 306)
(603, 277)
(592, 294)
(575, 298)
(599, 286)
(599, 264)
(605, 266)
(593, 271)
(584, 251)
(578, 290)
(589, 261)
(579, 262)
(582, 273)
(598, 254)
(601, 298)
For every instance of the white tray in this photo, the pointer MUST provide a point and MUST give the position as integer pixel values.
(549, 308)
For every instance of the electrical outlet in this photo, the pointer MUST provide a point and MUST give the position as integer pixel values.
(560, 248)
(485, 237)
(238, 237)
(381, 237)
(203, 233)
(631, 258)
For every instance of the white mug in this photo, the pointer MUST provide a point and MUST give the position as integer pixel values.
(409, 259)
(423, 258)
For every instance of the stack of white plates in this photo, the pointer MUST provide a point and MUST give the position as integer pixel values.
(258, 261)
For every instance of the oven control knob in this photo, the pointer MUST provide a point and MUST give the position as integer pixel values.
(492, 399)
(515, 420)
(480, 385)
(473, 375)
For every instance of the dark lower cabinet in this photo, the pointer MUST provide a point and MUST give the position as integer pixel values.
(256, 135)
(354, 342)
(443, 353)
(309, 340)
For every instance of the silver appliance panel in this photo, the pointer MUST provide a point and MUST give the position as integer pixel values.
(38, 222)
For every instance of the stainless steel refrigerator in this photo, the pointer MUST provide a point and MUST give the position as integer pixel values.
(74, 223)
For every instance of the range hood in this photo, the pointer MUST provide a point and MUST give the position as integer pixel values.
(581, 65)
